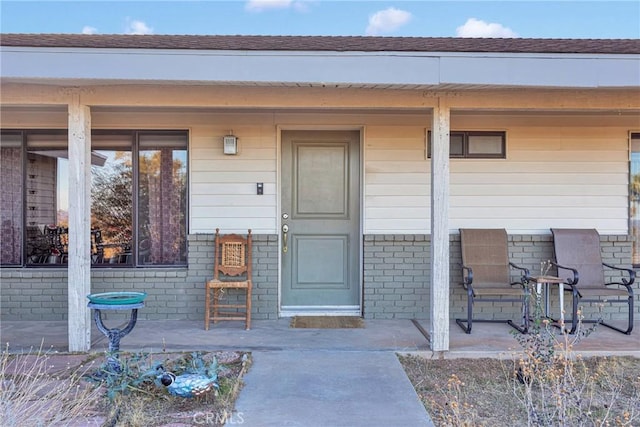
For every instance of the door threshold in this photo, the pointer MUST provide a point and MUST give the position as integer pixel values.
(290, 311)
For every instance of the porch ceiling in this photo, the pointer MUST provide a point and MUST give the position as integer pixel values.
(378, 86)
(530, 112)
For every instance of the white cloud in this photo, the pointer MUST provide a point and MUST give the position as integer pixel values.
(137, 27)
(478, 28)
(387, 21)
(263, 5)
(89, 30)
(260, 5)
(302, 5)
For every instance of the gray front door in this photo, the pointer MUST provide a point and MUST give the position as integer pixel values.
(320, 233)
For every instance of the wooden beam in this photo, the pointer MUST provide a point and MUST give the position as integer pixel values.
(220, 96)
(440, 227)
(79, 269)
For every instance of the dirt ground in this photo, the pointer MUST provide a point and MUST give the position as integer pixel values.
(70, 390)
(487, 392)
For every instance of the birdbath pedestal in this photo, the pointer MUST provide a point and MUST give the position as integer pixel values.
(116, 301)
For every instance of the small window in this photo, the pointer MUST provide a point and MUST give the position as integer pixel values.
(456, 145)
(478, 145)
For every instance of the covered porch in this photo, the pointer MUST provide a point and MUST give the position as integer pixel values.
(569, 121)
(401, 335)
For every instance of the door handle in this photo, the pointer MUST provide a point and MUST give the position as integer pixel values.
(285, 230)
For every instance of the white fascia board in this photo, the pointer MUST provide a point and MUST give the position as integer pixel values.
(580, 72)
(357, 68)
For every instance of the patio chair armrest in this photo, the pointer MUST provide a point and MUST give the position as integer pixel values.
(570, 281)
(467, 275)
(625, 282)
(526, 275)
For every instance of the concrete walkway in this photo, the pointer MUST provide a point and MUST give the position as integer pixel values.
(329, 388)
(299, 377)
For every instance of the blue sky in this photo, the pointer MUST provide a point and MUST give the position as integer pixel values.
(419, 18)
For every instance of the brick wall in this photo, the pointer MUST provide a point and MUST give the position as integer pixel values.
(397, 270)
(396, 281)
(396, 276)
(173, 293)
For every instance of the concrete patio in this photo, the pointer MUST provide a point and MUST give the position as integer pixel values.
(338, 377)
(486, 340)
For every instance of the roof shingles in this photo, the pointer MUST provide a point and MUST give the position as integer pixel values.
(324, 43)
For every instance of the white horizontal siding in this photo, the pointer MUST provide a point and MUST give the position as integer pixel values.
(554, 176)
(396, 194)
(223, 187)
(559, 172)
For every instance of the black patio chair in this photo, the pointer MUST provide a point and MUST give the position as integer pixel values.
(579, 255)
(486, 273)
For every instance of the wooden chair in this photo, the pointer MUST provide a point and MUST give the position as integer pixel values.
(579, 256)
(487, 277)
(231, 270)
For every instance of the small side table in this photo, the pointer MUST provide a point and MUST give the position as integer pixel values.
(547, 281)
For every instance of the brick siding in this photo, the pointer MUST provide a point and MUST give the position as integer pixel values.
(396, 272)
(173, 293)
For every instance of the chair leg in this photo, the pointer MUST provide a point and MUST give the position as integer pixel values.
(574, 309)
(525, 323)
(467, 324)
(629, 325)
(207, 307)
(525, 313)
(248, 321)
(216, 301)
(467, 328)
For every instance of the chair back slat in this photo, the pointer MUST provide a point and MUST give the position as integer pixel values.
(486, 251)
(233, 255)
(580, 249)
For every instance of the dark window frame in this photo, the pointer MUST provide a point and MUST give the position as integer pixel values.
(635, 255)
(465, 145)
(135, 150)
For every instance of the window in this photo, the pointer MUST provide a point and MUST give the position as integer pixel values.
(138, 198)
(634, 196)
(162, 199)
(479, 145)
(12, 198)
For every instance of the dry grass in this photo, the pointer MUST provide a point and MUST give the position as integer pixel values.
(487, 392)
(543, 384)
(34, 392)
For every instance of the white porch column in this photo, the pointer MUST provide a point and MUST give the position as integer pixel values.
(440, 227)
(79, 269)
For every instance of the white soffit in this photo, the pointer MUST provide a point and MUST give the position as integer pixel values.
(342, 69)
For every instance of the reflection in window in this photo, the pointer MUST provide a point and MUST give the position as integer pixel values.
(475, 144)
(162, 199)
(138, 198)
(11, 198)
(634, 196)
(47, 199)
(112, 198)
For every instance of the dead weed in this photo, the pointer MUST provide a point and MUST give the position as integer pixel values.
(487, 392)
